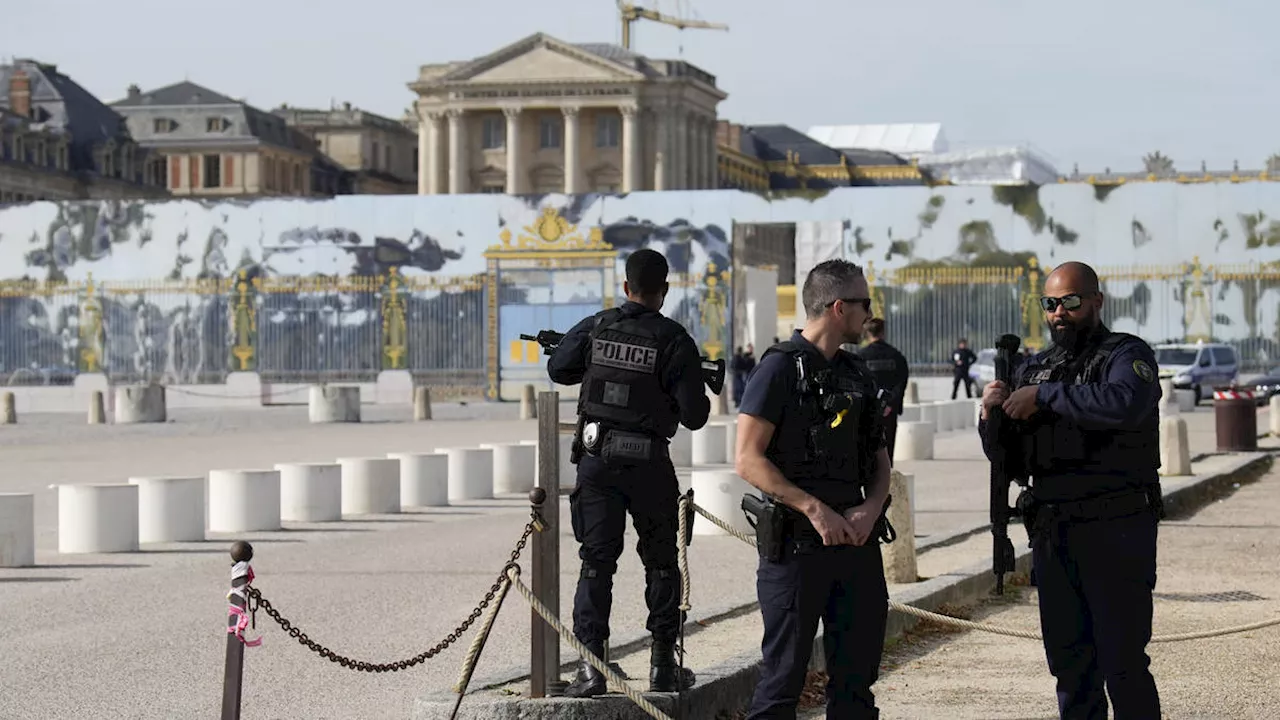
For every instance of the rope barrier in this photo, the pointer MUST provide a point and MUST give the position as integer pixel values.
(634, 695)
(477, 645)
(995, 629)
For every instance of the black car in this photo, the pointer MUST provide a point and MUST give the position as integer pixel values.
(1266, 386)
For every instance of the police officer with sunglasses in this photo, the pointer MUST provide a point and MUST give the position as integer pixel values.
(1085, 416)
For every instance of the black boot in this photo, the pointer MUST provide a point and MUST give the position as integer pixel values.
(588, 682)
(664, 674)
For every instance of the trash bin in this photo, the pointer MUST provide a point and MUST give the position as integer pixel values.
(1235, 416)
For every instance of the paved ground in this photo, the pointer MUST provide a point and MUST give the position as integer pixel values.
(381, 588)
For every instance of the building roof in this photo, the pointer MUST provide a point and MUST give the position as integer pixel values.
(790, 154)
(60, 102)
(902, 139)
(181, 93)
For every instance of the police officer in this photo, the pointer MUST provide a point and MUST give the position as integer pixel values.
(641, 377)
(1086, 412)
(962, 359)
(890, 369)
(809, 438)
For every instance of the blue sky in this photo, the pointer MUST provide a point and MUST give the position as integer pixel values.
(1089, 82)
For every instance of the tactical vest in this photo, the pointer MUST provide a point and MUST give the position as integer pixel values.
(836, 395)
(622, 388)
(1054, 445)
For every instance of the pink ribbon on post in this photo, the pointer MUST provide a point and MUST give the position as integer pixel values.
(239, 570)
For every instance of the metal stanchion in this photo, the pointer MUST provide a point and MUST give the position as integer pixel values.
(241, 554)
(544, 676)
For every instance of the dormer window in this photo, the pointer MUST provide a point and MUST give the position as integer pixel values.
(164, 125)
(217, 124)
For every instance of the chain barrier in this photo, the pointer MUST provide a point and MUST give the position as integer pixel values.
(995, 629)
(257, 601)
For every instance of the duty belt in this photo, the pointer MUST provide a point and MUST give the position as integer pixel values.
(603, 440)
(1041, 517)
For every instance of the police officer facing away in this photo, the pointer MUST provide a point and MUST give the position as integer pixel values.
(889, 368)
(641, 378)
(1089, 428)
(809, 437)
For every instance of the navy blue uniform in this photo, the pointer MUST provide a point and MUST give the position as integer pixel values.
(891, 371)
(1092, 453)
(604, 494)
(842, 585)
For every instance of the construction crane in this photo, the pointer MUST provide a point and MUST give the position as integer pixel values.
(631, 13)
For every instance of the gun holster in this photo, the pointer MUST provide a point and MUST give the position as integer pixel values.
(769, 521)
(884, 529)
(689, 514)
(1029, 510)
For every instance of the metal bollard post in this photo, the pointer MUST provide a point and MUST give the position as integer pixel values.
(241, 552)
(544, 646)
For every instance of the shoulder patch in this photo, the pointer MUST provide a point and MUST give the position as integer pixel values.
(1143, 370)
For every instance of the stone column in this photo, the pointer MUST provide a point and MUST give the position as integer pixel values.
(662, 158)
(571, 169)
(457, 153)
(697, 153)
(514, 186)
(680, 166)
(630, 148)
(436, 167)
(713, 155)
(424, 160)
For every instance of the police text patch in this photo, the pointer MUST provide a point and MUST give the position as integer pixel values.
(624, 356)
(1143, 370)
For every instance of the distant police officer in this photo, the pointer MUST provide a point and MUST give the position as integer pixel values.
(890, 369)
(1090, 435)
(641, 377)
(809, 437)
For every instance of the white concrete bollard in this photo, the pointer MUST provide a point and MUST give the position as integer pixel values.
(900, 555)
(681, 447)
(244, 500)
(140, 404)
(568, 471)
(720, 493)
(730, 440)
(334, 404)
(914, 442)
(310, 492)
(471, 472)
(708, 445)
(528, 403)
(913, 393)
(9, 414)
(933, 414)
(1175, 451)
(1273, 406)
(910, 413)
(1186, 400)
(424, 479)
(17, 530)
(370, 485)
(422, 403)
(515, 467)
(98, 518)
(958, 412)
(97, 409)
(170, 509)
(1168, 405)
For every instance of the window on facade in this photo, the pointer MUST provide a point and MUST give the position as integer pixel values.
(386, 158)
(549, 132)
(493, 189)
(216, 124)
(163, 125)
(493, 133)
(212, 171)
(297, 178)
(608, 130)
(373, 160)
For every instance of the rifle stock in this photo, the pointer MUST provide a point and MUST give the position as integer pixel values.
(1002, 470)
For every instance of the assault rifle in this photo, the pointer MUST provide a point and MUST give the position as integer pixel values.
(712, 370)
(1006, 465)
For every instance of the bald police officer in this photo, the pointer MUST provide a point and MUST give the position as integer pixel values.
(641, 378)
(1085, 413)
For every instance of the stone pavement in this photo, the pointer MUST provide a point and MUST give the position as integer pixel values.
(143, 635)
(1216, 570)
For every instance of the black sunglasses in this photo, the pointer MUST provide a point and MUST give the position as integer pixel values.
(864, 302)
(1067, 302)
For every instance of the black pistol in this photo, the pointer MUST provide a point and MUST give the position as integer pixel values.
(766, 517)
(548, 339)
